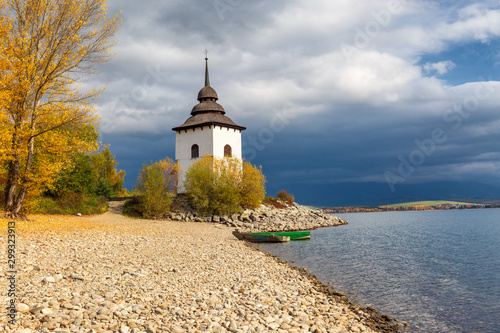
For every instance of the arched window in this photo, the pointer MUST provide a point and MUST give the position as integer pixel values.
(195, 151)
(228, 151)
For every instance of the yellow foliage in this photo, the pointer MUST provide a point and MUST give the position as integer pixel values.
(253, 186)
(156, 187)
(224, 185)
(45, 47)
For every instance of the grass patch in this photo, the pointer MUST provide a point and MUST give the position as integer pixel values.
(70, 204)
(276, 203)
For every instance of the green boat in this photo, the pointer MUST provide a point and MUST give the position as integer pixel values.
(294, 235)
(270, 238)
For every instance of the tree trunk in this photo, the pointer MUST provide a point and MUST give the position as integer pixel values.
(11, 188)
(19, 201)
(15, 201)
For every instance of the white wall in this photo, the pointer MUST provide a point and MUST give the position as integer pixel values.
(210, 141)
(226, 136)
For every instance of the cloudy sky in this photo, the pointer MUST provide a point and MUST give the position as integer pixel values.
(342, 99)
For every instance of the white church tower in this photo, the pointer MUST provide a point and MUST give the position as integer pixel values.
(207, 131)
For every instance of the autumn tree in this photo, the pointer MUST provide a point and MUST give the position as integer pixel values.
(212, 185)
(224, 185)
(253, 186)
(110, 181)
(4, 133)
(45, 51)
(156, 188)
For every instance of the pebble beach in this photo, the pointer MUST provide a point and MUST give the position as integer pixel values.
(111, 273)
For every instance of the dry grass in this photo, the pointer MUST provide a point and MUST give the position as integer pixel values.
(53, 223)
(111, 222)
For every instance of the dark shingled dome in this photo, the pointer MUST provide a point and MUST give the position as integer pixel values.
(205, 107)
(207, 93)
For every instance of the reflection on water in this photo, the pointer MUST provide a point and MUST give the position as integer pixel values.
(438, 270)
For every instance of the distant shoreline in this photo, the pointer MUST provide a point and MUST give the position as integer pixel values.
(417, 207)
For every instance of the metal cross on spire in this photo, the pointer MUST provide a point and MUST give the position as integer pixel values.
(206, 54)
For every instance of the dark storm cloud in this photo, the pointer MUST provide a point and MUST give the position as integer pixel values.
(325, 99)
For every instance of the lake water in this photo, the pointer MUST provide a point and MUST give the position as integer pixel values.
(437, 270)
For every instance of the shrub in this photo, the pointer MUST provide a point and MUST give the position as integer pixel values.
(286, 197)
(94, 174)
(212, 185)
(131, 208)
(78, 177)
(103, 188)
(253, 186)
(155, 188)
(223, 185)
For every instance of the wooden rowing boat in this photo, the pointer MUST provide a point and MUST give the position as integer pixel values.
(294, 235)
(257, 238)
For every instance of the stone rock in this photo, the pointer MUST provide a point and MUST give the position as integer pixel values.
(22, 308)
(102, 317)
(49, 279)
(124, 329)
(77, 277)
(37, 310)
(178, 329)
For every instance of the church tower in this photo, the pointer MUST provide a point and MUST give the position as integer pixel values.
(207, 131)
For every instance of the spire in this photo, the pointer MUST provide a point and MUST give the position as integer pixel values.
(207, 96)
(207, 112)
(207, 79)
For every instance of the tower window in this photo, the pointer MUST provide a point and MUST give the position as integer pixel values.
(195, 151)
(228, 151)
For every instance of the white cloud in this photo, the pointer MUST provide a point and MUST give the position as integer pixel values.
(475, 22)
(440, 68)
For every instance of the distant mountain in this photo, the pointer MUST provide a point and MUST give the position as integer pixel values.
(376, 194)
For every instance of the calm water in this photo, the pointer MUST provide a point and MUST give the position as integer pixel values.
(437, 270)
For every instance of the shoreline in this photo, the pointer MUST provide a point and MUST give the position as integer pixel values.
(374, 319)
(110, 273)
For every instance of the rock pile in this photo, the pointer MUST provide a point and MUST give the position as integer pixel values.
(267, 218)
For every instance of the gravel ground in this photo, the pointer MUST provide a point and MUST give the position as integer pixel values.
(110, 273)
